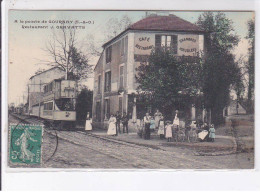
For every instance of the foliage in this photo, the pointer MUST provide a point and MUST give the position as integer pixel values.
(220, 30)
(65, 54)
(84, 103)
(220, 68)
(250, 66)
(166, 80)
(115, 26)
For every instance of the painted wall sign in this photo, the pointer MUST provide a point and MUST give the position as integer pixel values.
(188, 45)
(144, 43)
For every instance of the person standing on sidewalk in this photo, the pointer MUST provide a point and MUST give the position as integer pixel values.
(212, 133)
(157, 116)
(125, 122)
(118, 119)
(147, 122)
(88, 125)
(112, 126)
(152, 124)
(161, 128)
(176, 120)
(168, 131)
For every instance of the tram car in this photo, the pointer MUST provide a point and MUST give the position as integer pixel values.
(58, 103)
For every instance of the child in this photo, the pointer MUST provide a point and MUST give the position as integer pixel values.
(168, 131)
(152, 124)
(212, 133)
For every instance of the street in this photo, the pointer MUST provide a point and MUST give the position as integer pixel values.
(78, 149)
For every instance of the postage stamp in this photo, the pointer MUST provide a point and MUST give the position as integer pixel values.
(25, 144)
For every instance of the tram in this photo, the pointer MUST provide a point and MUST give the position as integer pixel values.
(58, 102)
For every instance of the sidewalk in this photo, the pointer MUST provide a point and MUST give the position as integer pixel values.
(222, 143)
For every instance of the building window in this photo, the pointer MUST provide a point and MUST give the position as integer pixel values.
(109, 54)
(121, 77)
(99, 84)
(121, 105)
(48, 106)
(48, 88)
(108, 81)
(169, 42)
(98, 111)
(122, 47)
(107, 109)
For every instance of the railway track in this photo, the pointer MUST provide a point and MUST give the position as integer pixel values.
(117, 149)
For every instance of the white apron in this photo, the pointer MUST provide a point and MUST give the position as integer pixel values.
(88, 125)
(112, 126)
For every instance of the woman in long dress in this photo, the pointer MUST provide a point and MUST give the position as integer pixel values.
(112, 126)
(161, 128)
(176, 120)
(157, 116)
(22, 141)
(88, 126)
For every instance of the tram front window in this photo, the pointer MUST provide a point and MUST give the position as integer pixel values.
(66, 104)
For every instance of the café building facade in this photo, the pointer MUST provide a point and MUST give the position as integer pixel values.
(115, 71)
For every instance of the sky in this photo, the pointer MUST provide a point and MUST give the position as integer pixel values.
(26, 46)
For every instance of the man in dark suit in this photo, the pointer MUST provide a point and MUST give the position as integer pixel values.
(118, 119)
(125, 122)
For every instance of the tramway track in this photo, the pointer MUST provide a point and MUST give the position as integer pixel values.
(107, 147)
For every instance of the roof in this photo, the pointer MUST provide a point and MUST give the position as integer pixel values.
(168, 23)
(162, 23)
(239, 102)
(46, 71)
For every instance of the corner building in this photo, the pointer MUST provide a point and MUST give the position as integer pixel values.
(114, 74)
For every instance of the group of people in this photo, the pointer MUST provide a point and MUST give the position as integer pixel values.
(166, 129)
(114, 124)
(157, 123)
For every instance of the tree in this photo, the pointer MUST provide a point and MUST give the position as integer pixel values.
(64, 53)
(165, 82)
(84, 103)
(219, 66)
(250, 66)
(114, 26)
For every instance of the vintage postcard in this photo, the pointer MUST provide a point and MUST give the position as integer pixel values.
(131, 89)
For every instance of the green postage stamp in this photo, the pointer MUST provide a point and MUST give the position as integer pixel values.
(25, 144)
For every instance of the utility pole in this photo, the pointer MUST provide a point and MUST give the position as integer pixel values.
(40, 100)
(28, 100)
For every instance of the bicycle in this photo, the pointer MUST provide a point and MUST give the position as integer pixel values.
(179, 135)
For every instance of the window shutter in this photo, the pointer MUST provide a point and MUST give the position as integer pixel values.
(126, 44)
(109, 81)
(110, 54)
(105, 85)
(108, 107)
(175, 43)
(157, 41)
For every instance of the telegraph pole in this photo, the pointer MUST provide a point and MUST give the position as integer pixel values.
(40, 100)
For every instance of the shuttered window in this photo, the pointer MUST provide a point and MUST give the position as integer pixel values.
(99, 84)
(109, 54)
(107, 109)
(121, 77)
(108, 81)
(168, 42)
